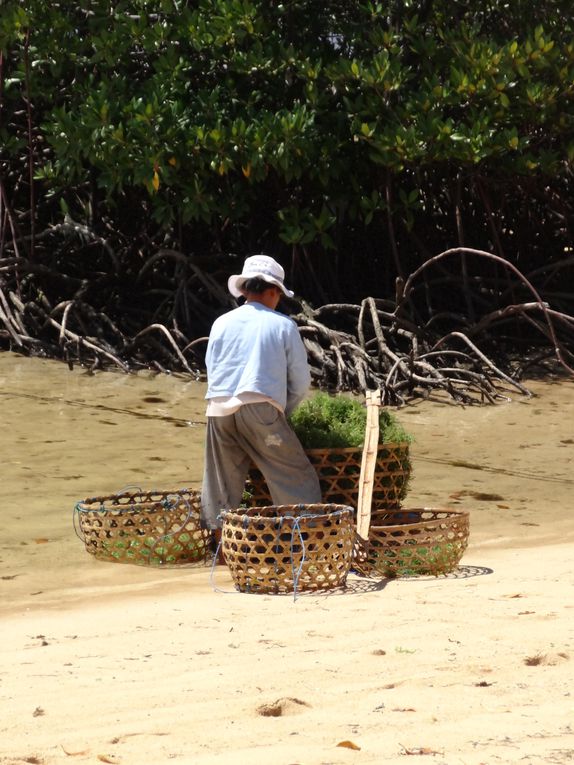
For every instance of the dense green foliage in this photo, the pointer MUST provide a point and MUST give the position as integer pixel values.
(380, 132)
(324, 422)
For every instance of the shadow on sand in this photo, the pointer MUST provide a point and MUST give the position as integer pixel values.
(359, 585)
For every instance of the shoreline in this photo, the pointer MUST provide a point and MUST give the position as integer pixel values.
(127, 664)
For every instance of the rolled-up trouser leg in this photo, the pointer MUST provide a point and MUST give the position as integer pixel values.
(226, 466)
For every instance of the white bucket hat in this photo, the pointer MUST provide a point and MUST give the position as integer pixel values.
(263, 267)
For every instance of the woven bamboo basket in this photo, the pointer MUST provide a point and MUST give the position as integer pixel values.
(339, 471)
(413, 542)
(150, 528)
(288, 548)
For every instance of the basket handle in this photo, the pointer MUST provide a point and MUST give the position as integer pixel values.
(368, 462)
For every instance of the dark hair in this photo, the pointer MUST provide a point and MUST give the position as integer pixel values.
(257, 286)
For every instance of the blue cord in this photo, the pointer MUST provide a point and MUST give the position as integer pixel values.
(170, 502)
(297, 575)
(75, 522)
(212, 572)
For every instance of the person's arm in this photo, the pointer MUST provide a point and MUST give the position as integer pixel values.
(298, 373)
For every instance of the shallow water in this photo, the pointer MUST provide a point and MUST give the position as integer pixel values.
(68, 435)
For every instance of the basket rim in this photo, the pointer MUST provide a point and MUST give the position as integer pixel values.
(139, 507)
(83, 505)
(395, 510)
(348, 449)
(254, 513)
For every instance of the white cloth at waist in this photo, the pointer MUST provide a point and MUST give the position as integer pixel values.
(221, 406)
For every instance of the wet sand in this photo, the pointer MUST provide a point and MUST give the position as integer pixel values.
(118, 663)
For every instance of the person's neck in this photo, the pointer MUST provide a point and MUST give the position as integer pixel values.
(263, 299)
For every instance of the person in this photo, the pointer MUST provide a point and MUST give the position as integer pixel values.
(257, 373)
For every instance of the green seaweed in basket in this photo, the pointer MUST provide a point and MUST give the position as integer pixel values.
(158, 552)
(330, 422)
(434, 560)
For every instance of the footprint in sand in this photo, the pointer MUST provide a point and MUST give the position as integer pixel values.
(546, 659)
(283, 707)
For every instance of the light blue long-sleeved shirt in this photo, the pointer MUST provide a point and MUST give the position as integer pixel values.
(253, 348)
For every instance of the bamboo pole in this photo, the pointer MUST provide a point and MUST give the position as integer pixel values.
(368, 463)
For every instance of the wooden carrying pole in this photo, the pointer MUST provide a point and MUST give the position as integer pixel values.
(368, 463)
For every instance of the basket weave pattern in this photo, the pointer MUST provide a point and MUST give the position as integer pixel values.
(418, 541)
(339, 472)
(152, 528)
(287, 548)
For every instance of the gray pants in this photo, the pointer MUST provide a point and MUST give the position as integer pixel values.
(256, 433)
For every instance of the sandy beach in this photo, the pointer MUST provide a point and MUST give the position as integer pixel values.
(103, 662)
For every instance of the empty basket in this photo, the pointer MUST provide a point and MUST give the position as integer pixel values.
(288, 548)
